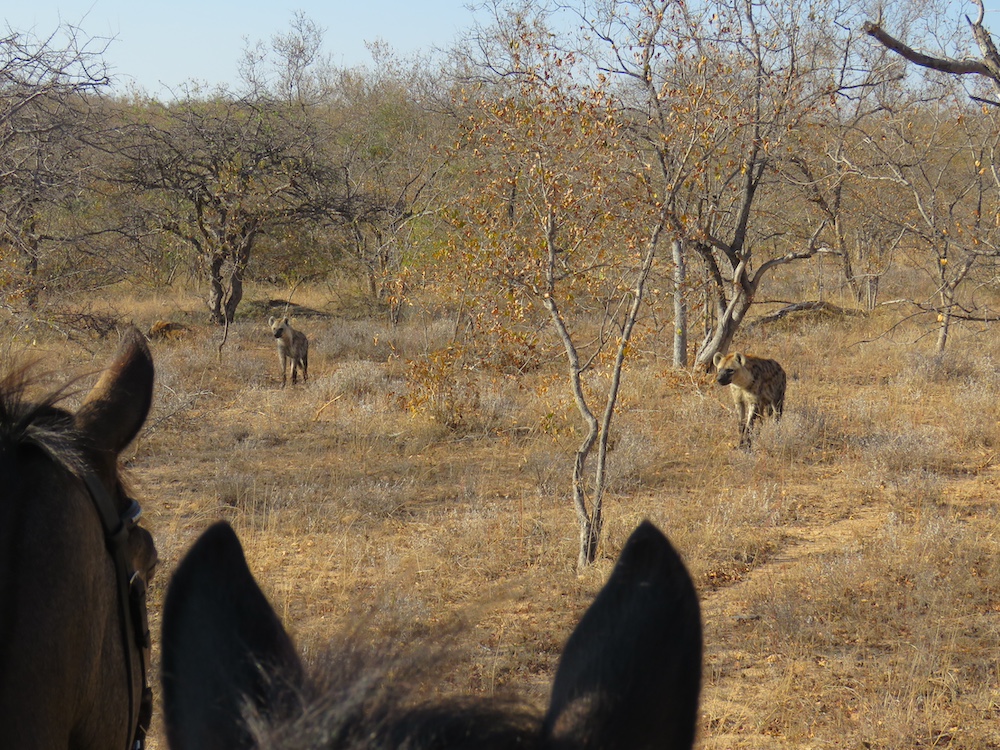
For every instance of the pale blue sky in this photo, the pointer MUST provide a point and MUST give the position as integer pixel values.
(163, 44)
(160, 45)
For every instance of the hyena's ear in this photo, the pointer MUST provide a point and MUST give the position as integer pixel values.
(285, 321)
(223, 648)
(270, 321)
(719, 356)
(740, 359)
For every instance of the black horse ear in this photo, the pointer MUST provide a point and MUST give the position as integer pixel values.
(223, 648)
(117, 405)
(630, 674)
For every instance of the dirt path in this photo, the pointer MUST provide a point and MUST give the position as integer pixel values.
(740, 688)
(803, 542)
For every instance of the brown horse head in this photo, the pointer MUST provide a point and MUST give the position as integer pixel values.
(628, 679)
(68, 656)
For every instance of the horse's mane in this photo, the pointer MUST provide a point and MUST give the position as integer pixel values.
(38, 422)
(364, 696)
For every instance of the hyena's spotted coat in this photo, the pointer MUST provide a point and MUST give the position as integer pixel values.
(757, 385)
(292, 345)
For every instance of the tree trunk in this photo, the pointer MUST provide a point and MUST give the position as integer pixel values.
(871, 291)
(680, 305)
(591, 519)
(590, 533)
(725, 327)
(944, 318)
(30, 271)
(942, 337)
(235, 293)
(590, 522)
(846, 262)
(590, 536)
(216, 290)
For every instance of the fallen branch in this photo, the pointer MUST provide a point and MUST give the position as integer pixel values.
(321, 409)
(797, 307)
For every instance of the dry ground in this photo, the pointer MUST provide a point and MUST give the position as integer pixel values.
(847, 565)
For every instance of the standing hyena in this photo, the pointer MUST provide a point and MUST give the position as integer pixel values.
(292, 345)
(757, 385)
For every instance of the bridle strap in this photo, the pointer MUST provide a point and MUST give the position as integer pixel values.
(131, 603)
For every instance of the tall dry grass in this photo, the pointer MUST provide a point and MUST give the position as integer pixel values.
(847, 564)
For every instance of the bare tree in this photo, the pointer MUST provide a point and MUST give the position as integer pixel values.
(47, 116)
(931, 165)
(388, 148)
(825, 170)
(220, 174)
(394, 152)
(987, 67)
(950, 174)
(291, 67)
(719, 92)
(552, 233)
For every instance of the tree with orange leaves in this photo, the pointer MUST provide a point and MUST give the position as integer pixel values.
(560, 226)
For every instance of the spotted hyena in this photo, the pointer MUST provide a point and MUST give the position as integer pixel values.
(292, 345)
(757, 385)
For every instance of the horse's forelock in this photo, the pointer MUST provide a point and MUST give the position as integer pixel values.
(363, 696)
(38, 422)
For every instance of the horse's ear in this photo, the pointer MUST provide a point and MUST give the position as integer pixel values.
(223, 648)
(116, 407)
(630, 674)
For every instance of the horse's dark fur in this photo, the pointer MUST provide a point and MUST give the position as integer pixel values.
(244, 643)
(628, 679)
(62, 665)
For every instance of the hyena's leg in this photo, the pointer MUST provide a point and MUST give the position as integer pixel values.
(283, 361)
(305, 366)
(741, 419)
(752, 417)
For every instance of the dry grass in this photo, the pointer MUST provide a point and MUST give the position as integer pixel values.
(847, 565)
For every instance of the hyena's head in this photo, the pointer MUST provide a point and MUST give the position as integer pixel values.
(278, 326)
(729, 366)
